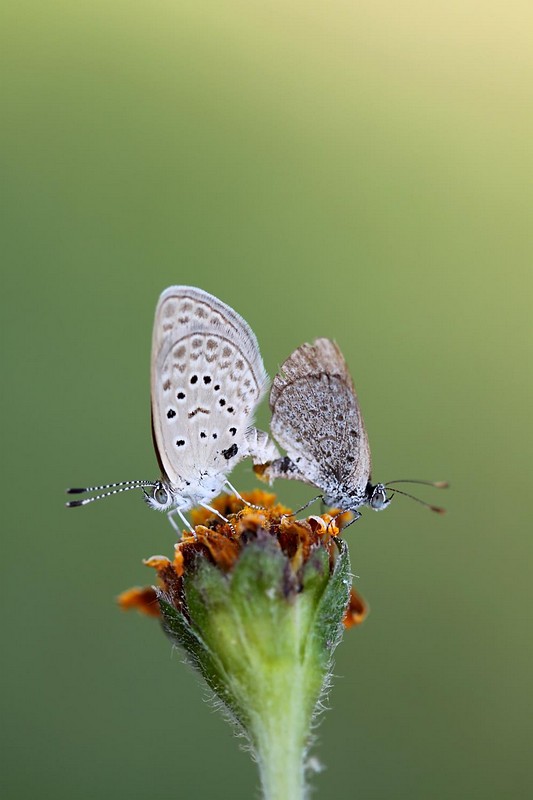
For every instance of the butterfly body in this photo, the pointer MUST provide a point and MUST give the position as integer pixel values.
(207, 379)
(317, 419)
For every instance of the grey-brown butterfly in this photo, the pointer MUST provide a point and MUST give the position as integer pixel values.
(316, 418)
(207, 379)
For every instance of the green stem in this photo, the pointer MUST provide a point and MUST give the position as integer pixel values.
(280, 688)
(281, 740)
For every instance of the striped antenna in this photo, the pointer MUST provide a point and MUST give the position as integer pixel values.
(116, 488)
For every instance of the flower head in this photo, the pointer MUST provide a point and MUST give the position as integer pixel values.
(257, 603)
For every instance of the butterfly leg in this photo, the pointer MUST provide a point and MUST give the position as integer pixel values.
(214, 511)
(219, 515)
(356, 515)
(310, 503)
(183, 519)
(238, 496)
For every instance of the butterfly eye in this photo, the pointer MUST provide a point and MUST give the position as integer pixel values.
(161, 495)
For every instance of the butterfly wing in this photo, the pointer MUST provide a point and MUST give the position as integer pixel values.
(316, 418)
(207, 380)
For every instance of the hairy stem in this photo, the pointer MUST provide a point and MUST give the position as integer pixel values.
(282, 736)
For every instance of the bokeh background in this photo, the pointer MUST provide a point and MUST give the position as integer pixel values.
(351, 169)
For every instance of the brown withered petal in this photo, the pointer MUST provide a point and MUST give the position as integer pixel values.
(143, 600)
(157, 562)
(356, 611)
(222, 542)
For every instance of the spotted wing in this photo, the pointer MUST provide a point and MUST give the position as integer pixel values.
(316, 418)
(207, 379)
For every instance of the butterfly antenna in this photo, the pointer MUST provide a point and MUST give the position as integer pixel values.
(437, 509)
(116, 488)
(435, 484)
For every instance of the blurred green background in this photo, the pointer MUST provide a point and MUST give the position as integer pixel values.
(356, 170)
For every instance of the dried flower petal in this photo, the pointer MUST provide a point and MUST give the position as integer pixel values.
(143, 600)
(357, 610)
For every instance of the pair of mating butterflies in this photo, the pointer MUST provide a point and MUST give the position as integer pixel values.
(207, 379)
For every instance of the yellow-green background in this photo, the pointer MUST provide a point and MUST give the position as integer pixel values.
(359, 170)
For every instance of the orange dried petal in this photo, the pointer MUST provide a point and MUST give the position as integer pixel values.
(356, 611)
(157, 562)
(141, 599)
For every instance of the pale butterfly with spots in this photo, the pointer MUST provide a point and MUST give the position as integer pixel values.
(207, 379)
(317, 419)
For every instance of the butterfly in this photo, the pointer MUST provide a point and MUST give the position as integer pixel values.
(317, 419)
(207, 379)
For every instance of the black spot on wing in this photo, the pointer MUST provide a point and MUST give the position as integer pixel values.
(230, 452)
